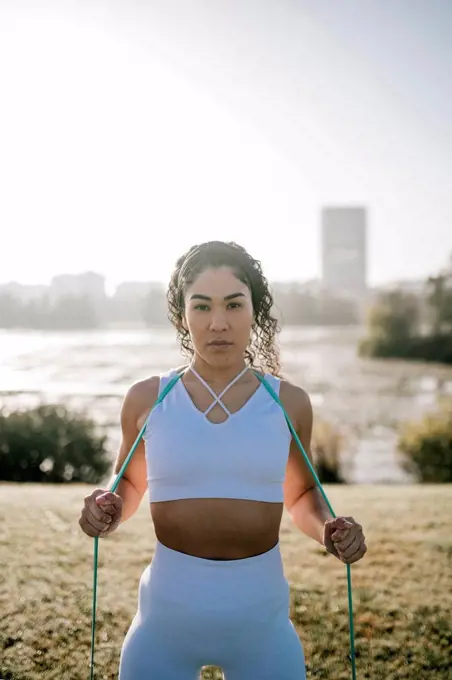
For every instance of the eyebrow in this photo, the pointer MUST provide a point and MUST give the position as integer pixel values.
(198, 296)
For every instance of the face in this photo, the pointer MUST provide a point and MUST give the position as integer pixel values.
(218, 315)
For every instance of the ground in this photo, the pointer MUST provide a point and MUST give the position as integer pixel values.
(402, 588)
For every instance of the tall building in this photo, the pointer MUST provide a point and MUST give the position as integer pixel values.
(344, 250)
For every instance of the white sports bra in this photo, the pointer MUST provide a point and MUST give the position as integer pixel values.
(188, 456)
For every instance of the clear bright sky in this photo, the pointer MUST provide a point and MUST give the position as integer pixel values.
(131, 131)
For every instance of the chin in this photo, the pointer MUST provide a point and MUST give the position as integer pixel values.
(223, 356)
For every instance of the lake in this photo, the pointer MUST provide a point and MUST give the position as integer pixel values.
(368, 399)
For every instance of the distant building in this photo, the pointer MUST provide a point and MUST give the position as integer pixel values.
(89, 284)
(23, 292)
(344, 250)
(139, 301)
(133, 290)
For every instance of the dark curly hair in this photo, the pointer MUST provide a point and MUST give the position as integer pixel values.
(262, 351)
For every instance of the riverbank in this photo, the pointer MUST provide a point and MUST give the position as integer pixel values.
(366, 398)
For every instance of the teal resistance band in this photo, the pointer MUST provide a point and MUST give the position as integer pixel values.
(113, 489)
(273, 394)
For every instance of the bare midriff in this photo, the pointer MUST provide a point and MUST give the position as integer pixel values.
(217, 528)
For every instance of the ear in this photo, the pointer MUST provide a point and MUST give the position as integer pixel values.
(184, 322)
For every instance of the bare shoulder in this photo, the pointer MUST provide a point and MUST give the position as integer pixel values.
(294, 394)
(139, 399)
(142, 391)
(297, 402)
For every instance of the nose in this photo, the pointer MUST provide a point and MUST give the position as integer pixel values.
(218, 321)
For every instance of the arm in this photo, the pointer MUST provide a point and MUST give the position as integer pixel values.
(302, 497)
(343, 537)
(132, 487)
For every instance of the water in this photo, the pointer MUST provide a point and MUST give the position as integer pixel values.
(366, 398)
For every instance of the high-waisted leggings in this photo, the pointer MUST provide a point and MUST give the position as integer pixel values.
(194, 612)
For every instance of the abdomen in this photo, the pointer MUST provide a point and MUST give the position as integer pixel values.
(217, 528)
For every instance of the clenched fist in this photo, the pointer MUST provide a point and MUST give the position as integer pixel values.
(101, 513)
(343, 537)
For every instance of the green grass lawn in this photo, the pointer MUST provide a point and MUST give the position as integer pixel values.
(402, 588)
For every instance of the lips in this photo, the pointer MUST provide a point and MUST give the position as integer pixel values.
(219, 343)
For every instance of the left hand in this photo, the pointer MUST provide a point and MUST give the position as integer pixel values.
(344, 538)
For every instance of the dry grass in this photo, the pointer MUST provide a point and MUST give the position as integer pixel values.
(402, 589)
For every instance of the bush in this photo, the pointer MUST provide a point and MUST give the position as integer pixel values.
(436, 348)
(50, 444)
(426, 447)
(326, 447)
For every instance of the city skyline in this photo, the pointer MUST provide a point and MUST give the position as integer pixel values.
(137, 286)
(234, 122)
(286, 276)
(342, 232)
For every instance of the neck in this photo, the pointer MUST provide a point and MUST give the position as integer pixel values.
(217, 375)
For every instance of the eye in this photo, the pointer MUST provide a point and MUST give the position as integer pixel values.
(234, 305)
(202, 307)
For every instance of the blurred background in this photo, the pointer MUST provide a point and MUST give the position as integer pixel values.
(315, 134)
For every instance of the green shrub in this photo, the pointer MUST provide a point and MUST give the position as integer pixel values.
(425, 447)
(51, 444)
(327, 442)
(436, 348)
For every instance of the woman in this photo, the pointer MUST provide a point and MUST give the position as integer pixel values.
(220, 464)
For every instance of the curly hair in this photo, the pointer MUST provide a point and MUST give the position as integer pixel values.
(262, 351)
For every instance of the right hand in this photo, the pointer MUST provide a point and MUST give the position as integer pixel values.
(101, 513)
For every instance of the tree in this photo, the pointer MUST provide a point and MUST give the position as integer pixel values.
(439, 300)
(395, 316)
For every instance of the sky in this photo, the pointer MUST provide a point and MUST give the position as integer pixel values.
(131, 130)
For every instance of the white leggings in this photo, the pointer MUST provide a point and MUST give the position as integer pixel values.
(193, 612)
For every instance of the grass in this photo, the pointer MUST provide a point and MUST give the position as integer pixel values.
(402, 588)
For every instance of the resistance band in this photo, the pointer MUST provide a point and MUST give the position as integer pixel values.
(273, 394)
